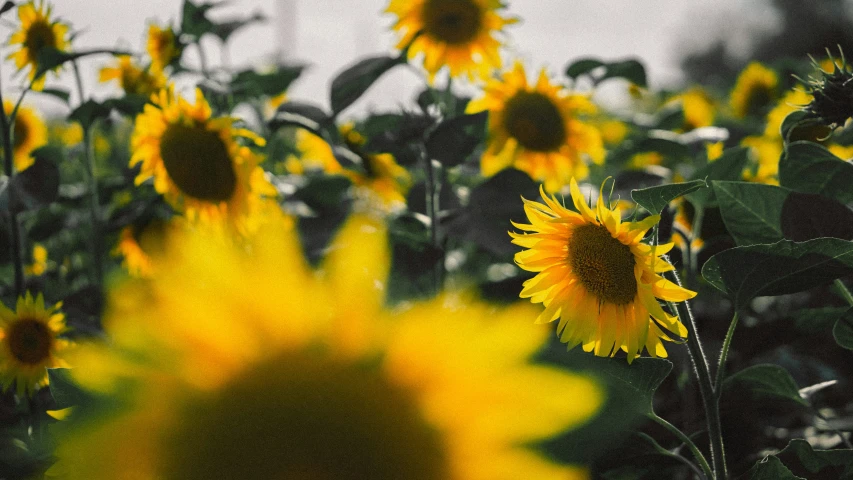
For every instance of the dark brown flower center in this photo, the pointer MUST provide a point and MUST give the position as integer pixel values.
(29, 341)
(198, 162)
(534, 120)
(39, 35)
(20, 133)
(305, 416)
(452, 21)
(604, 266)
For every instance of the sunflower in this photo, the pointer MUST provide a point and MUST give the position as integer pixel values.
(597, 277)
(39, 265)
(162, 46)
(754, 89)
(283, 374)
(133, 79)
(698, 107)
(37, 32)
(28, 134)
(537, 129)
(30, 343)
(315, 154)
(137, 244)
(456, 33)
(195, 160)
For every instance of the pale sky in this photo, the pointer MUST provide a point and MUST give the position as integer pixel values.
(329, 34)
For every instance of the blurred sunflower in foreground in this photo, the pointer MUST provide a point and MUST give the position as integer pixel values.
(537, 129)
(594, 273)
(28, 133)
(30, 343)
(244, 363)
(37, 32)
(456, 33)
(196, 161)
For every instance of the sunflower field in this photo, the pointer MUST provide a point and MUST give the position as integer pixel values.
(500, 278)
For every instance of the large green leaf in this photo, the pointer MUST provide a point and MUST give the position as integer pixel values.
(766, 379)
(807, 215)
(843, 330)
(655, 199)
(779, 268)
(729, 166)
(804, 461)
(770, 468)
(351, 84)
(454, 140)
(752, 212)
(810, 168)
(630, 69)
(251, 84)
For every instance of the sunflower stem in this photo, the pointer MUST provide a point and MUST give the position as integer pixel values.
(843, 291)
(724, 352)
(697, 454)
(9, 170)
(94, 203)
(432, 212)
(706, 388)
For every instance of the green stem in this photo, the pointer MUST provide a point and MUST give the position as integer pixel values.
(9, 170)
(697, 454)
(843, 291)
(432, 212)
(724, 352)
(94, 203)
(706, 388)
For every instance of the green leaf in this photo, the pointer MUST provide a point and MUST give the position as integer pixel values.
(655, 199)
(304, 115)
(770, 468)
(631, 70)
(50, 58)
(779, 268)
(8, 5)
(799, 126)
(351, 84)
(729, 166)
(38, 185)
(806, 216)
(194, 21)
(752, 212)
(641, 378)
(251, 84)
(454, 140)
(766, 379)
(88, 112)
(811, 168)
(802, 459)
(66, 393)
(843, 330)
(59, 93)
(224, 29)
(582, 66)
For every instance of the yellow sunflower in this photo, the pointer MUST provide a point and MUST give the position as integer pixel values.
(597, 277)
(242, 363)
(28, 134)
(30, 343)
(137, 243)
(754, 89)
(457, 33)
(699, 108)
(37, 32)
(162, 46)
(39, 265)
(315, 154)
(537, 129)
(133, 79)
(195, 160)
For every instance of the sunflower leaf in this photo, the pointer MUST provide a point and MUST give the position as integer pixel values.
(779, 268)
(752, 212)
(351, 84)
(8, 5)
(810, 168)
(304, 115)
(655, 199)
(631, 70)
(728, 167)
(454, 140)
(770, 468)
(582, 66)
(65, 392)
(38, 185)
(766, 379)
(194, 21)
(50, 58)
(800, 460)
(249, 84)
(59, 93)
(843, 330)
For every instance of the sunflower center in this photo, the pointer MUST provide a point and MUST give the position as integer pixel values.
(604, 266)
(39, 35)
(452, 21)
(20, 133)
(305, 416)
(757, 98)
(534, 120)
(198, 162)
(29, 341)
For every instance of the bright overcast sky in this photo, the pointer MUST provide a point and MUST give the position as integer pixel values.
(329, 34)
